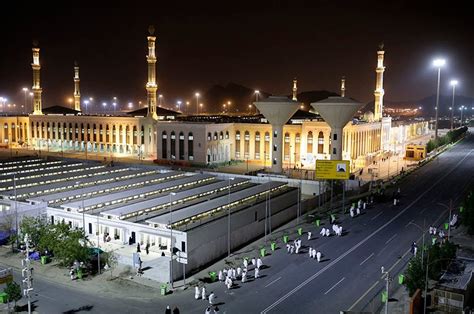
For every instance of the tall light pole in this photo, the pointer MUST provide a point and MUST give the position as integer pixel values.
(450, 208)
(197, 102)
(461, 108)
(257, 92)
(171, 239)
(228, 218)
(160, 100)
(453, 83)
(25, 90)
(115, 105)
(387, 280)
(438, 63)
(86, 102)
(83, 217)
(423, 235)
(104, 105)
(179, 105)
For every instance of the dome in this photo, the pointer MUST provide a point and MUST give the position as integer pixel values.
(369, 116)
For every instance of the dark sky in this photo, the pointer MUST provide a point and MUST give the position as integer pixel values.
(260, 45)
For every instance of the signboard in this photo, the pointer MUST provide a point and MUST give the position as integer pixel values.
(332, 169)
(181, 258)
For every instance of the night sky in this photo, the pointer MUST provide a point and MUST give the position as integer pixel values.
(262, 46)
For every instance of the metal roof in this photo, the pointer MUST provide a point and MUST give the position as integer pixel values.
(140, 192)
(40, 170)
(162, 201)
(203, 207)
(139, 179)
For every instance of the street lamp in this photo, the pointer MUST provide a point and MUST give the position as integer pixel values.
(423, 234)
(387, 279)
(438, 63)
(228, 218)
(200, 106)
(3, 100)
(187, 107)
(83, 217)
(86, 102)
(461, 108)
(160, 100)
(104, 104)
(24, 91)
(453, 83)
(115, 105)
(257, 92)
(450, 208)
(179, 105)
(197, 102)
(171, 240)
(130, 105)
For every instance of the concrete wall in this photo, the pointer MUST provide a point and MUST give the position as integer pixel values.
(209, 242)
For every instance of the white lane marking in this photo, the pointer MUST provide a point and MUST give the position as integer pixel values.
(391, 238)
(273, 281)
(304, 283)
(45, 296)
(376, 216)
(335, 285)
(366, 259)
(363, 296)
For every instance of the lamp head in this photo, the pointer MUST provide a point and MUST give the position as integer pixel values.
(453, 83)
(439, 62)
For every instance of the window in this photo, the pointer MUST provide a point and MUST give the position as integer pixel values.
(215, 136)
(246, 145)
(226, 135)
(190, 146)
(221, 135)
(309, 141)
(237, 144)
(209, 136)
(181, 146)
(173, 145)
(335, 136)
(297, 147)
(320, 143)
(164, 145)
(266, 147)
(257, 145)
(286, 148)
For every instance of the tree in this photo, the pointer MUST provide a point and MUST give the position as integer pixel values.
(14, 291)
(414, 275)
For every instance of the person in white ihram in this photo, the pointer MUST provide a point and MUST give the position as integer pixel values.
(203, 293)
(212, 296)
(196, 292)
(309, 235)
(259, 263)
(318, 256)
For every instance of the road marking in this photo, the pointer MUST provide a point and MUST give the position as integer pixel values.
(304, 283)
(45, 296)
(363, 296)
(391, 238)
(366, 259)
(376, 216)
(335, 285)
(406, 226)
(273, 281)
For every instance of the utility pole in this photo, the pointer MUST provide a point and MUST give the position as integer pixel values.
(26, 273)
(387, 280)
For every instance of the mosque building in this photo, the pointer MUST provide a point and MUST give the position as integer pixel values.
(168, 137)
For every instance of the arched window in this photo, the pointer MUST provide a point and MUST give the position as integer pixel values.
(286, 147)
(237, 144)
(209, 136)
(114, 134)
(173, 145)
(181, 146)
(88, 132)
(13, 133)
(190, 146)
(309, 141)
(320, 143)
(257, 145)
(266, 148)
(135, 135)
(164, 146)
(297, 147)
(127, 134)
(221, 135)
(5, 132)
(226, 135)
(215, 136)
(247, 145)
(142, 135)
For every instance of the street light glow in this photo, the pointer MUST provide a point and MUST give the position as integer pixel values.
(439, 62)
(453, 83)
(197, 94)
(25, 89)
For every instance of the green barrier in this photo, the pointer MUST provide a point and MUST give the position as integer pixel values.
(44, 260)
(163, 289)
(384, 296)
(285, 238)
(273, 246)
(446, 226)
(318, 221)
(213, 276)
(263, 252)
(401, 278)
(3, 297)
(300, 231)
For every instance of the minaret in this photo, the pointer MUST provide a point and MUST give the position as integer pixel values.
(151, 85)
(343, 87)
(379, 92)
(77, 93)
(37, 107)
(295, 89)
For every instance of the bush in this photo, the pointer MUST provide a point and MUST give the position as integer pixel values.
(450, 137)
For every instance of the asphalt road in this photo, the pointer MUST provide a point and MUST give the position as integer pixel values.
(349, 276)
